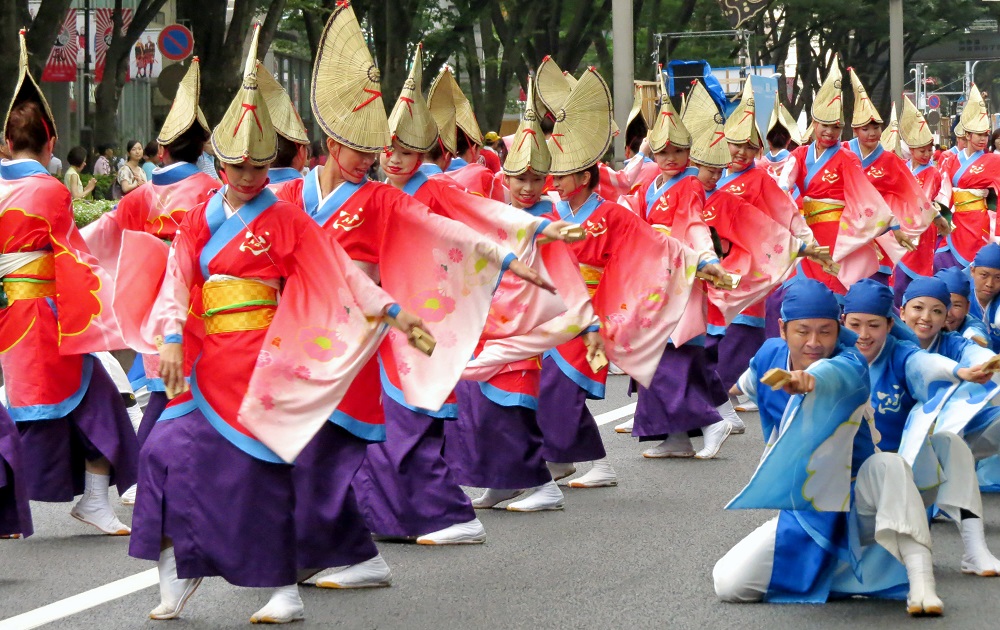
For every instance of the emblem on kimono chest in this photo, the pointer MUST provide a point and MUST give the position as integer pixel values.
(598, 228)
(737, 189)
(876, 172)
(830, 176)
(347, 221)
(889, 402)
(256, 245)
(709, 214)
(977, 169)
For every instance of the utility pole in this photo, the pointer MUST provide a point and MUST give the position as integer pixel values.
(87, 131)
(896, 48)
(624, 70)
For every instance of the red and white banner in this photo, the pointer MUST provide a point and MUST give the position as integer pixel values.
(61, 65)
(104, 28)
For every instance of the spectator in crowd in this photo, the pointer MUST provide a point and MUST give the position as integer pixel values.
(318, 157)
(206, 163)
(55, 167)
(130, 174)
(994, 141)
(77, 159)
(150, 159)
(102, 165)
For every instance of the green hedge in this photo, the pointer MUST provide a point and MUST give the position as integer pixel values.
(104, 183)
(86, 211)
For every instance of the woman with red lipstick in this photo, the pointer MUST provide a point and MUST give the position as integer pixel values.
(288, 320)
(972, 173)
(913, 130)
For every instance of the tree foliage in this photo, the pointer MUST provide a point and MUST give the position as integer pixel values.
(42, 32)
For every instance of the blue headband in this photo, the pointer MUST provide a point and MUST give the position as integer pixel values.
(956, 280)
(809, 299)
(870, 297)
(988, 256)
(928, 287)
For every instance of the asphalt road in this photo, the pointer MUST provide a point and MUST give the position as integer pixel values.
(636, 556)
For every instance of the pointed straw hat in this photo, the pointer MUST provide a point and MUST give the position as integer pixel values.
(959, 130)
(410, 122)
(707, 127)
(552, 85)
(285, 119)
(245, 133)
(828, 105)
(864, 109)
(346, 94)
(891, 140)
(528, 150)
(668, 128)
(642, 116)
(913, 129)
(781, 117)
(741, 127)
(582, 133)
(184, 111)
(452, 111)
(975, 116)
(27, 90)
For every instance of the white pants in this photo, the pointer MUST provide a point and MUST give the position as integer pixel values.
(888, 506)
(960, 489)
(985, 442)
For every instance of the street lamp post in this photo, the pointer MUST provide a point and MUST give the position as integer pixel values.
(623, 67)
(896, 48)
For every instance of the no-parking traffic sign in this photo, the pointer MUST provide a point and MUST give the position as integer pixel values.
(176, 42)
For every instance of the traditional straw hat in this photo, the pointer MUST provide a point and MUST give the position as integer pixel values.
(27, 90)
(891, 140)
(185, 110)
(913, 129)
(410, 122)
(642, 116)
(346, 94)
(582, 133)
(245, 133)
(828, 106)
(864, 109)
(552, 85)
(959, 130)
(781, 117)
(528, 149)
(975, 117)
(741, 127)
(452, 111)
(668, 128)
(285, 119)
(707, 126)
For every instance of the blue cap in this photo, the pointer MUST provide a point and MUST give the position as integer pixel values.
(809, 299)
(988, 256)
(869, 296)
(956, 280)
(928, 287)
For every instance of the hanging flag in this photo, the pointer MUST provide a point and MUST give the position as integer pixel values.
(740, 11)
(61, 65)
(104, 28)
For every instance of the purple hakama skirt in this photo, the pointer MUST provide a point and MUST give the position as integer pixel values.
(493, 446)
(227, 513)
(15, 513)
(154, 407)
(772, 313)
(945, 260)
(570, 433)
(329, 526)
(405, 487)
(730, 354)
(682, 396)
(54, 451)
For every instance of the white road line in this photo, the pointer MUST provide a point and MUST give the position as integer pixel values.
(128, 585)
(608, 416)
(83, 601)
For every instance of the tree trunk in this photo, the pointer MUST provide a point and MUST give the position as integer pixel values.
(40, 37)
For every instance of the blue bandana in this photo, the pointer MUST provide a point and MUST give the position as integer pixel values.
(869, 297)
(988, 256)
(956, 280)
(928, 287)
(809, 299)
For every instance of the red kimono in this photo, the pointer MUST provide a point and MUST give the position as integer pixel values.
(971, 177)
(938, 189)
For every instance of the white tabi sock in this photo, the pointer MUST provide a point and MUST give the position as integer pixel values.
(601, 475)
(174, 592)
(94, 507)
(922, 599)
(560, 470)
(493, 496)
(547, 496)
(977, 558)
(285, 606)
(728, 413)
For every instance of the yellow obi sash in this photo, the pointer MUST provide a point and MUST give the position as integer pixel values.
(591, 277)
(968, 201)
(821, 211)
(38, 281)
(221, 298)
